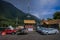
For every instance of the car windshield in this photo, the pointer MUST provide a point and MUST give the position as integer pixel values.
(42, 28)
(49, 28)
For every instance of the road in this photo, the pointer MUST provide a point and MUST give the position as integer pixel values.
(31, 36)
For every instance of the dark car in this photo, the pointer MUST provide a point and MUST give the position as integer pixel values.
(22, 31)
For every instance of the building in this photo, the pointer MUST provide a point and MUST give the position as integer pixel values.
(29, 24)
(51, 23)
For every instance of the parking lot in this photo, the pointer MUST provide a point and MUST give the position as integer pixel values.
(31, 36)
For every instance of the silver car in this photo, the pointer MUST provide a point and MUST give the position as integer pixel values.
(44, 30)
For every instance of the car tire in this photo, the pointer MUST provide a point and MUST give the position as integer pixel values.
(13, 33)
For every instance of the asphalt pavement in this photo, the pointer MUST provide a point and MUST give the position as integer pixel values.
(31, 36)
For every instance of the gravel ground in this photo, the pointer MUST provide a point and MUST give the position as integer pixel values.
(31, 36)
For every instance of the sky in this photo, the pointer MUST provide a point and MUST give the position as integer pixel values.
(42, 9)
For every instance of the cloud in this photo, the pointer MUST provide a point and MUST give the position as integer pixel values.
(48, 3)
(40, 8)
(43, 8)
(43, 14)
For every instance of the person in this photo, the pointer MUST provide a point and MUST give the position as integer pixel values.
(10, 27)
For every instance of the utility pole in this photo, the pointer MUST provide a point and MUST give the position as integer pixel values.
(16, 20)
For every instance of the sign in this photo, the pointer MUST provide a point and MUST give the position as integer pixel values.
(30, 29)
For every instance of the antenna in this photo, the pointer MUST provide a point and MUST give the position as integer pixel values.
(28, 8)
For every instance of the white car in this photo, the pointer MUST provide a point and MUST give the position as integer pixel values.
(44, 30)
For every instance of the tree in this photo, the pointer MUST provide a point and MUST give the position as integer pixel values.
(56, 15)
(49, 18)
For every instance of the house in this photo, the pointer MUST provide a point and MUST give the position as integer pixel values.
(51, 23)
(29, 24)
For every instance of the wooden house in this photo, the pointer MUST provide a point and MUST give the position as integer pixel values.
(51, 23)
(29, 24)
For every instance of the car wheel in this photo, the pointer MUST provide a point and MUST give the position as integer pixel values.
(55, 32)
(13, 33)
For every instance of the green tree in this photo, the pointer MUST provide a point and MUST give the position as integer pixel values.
(56, 15)
(49, 18)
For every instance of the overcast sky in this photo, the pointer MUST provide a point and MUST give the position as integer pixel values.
(40, 8)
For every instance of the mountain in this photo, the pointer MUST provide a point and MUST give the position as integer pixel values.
(10, 13)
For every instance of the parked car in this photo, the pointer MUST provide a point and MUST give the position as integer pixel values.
(44, 30)
(7, 31)
(22, 31)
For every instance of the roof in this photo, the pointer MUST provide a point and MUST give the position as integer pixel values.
(52, 21)
(29, 21)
